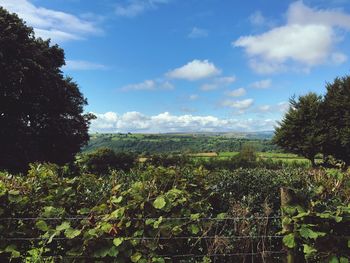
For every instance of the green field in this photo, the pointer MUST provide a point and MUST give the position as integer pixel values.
(283, 157)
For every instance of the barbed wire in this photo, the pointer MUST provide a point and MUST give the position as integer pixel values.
(150, 238)
(72, 218)
(267, 252)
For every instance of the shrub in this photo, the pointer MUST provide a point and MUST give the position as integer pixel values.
(103, 160)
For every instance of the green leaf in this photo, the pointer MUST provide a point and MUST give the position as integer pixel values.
(157, 223)
(159, 203)
(308, 250)
(13, 250)
(118, 241)
(158, 260)
(334, 259)
(176, 230)
(306, 232)
(136, 257)
(194, 229)
(149, 221)
(72, 233)
(343, 260)
(221, 216)
(119, 213)
(65, 225)
(116, 200)
(289, 240)
(41, 225)
(195, 216)
(113, 252)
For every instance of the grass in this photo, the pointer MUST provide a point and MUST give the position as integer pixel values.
(284, 157)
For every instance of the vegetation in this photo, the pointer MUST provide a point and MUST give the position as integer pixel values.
(155, 214)
(190, 198)
(335, 112)
(41, 111)
(147, 144)
(316, 124)
(299, 131)
(103, 160)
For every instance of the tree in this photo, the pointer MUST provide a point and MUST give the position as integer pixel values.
(102, 160)
(335, 111)
(41, 111)
(299, 131)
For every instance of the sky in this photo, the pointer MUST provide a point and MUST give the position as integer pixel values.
(156, 66)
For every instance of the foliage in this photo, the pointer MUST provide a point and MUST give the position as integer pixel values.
(336, 119)
(321, 223)
(102, 160)
(150, 144)
(300, 131)
(167, 160)
(41, 111)
(147, 215)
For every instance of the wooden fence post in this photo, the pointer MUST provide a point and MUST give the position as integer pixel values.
(288, 198)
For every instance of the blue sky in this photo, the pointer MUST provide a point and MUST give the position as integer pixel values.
(194, 65)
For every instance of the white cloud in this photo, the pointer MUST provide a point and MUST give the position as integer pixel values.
(307, 44)
(198, 33)
(299, 13)
(262, 84)
(217, 83)
(149, 85)
(83, 65)
(264, 108)
(133, 8)
(257, 19)
(193, 97)
(237, 92)
(306, 40)
(225, 80)
(166, 122)
(48, 23)
(280, 107)
(283, 106)
(194, 70)
(209, 86)
(238, 104)
(339, 58)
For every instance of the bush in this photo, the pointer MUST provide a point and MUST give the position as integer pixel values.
(103, 160)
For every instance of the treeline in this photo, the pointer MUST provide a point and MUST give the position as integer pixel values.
(103, 160)
(153, 144)
(319, 124)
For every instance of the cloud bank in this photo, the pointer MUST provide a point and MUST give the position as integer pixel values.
(112, 122)
(48, 23)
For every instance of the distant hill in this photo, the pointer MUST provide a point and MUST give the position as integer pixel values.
(181, 142)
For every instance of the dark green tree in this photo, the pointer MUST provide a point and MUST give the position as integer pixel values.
(335, 112)
(299, 131)
(102, 160)
(41, 111)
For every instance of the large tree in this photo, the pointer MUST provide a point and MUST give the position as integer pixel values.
(335, 111)
(300, 130)
(41, 111)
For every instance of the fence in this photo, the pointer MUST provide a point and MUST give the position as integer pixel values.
(221, 239)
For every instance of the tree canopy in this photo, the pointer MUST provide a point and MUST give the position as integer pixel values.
(299, 130)
(41, 111)
(335, 112)
(318, 124)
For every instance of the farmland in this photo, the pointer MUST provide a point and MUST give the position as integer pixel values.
(181, 143)
(196, 146)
